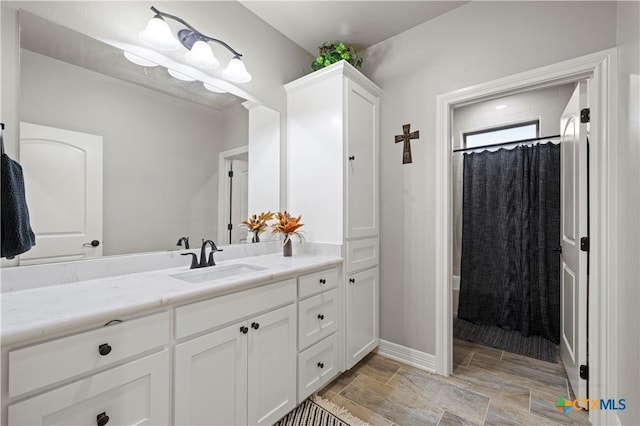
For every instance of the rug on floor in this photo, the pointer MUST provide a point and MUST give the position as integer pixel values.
(317, 411)
(511, 341)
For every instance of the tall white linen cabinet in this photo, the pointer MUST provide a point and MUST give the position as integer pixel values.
(333, 120)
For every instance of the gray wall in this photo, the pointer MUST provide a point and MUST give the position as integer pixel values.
(477, 42)
(628, 220)
(160, 153)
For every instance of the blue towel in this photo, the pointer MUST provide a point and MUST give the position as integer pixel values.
(17, 236)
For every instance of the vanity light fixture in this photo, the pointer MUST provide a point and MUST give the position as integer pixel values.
(158, 35)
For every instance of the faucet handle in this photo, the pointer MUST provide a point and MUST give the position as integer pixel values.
(194, 260)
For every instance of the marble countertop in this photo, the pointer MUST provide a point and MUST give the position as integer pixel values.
(52, 310)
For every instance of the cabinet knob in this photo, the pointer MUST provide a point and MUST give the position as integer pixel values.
(352, 157)
(323, 281)
(104, 350)
(255, 325)
(352, 280)
(102, 419)
(244, 330)
(320, 316)
(321, 365)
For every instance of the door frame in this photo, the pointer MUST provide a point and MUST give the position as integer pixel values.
(224, 159)
(601, 69)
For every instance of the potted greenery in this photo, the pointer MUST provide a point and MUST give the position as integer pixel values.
(334, 51)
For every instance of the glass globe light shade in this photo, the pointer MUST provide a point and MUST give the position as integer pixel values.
(138, 60)
(236, 71)
(179, 75)
(158, 35)
(212, 88)
(201, 56)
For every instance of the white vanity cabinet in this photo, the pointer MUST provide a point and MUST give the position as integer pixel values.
(319, 308)
(333, 137)
(243, 373)
(362, 314)
(134, 392)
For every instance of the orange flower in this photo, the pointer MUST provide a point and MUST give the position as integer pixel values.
(258, 224)
(287, 225)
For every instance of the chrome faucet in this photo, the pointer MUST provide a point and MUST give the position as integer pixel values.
(186, 242)
(203, 263)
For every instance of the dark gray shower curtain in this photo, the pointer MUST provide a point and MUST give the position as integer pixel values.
(510, 274)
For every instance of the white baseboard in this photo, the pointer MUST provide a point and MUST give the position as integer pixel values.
(412, 357)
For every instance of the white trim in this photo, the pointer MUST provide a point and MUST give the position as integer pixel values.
(412, 357)
(600, 68)
(339, 68)
(224, 157)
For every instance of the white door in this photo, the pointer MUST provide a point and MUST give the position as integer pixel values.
(362, 314)
(362, 162)
(573, 278)
(211, 378)
(272, 365)
(239, 199)
(136, 393)
(63, 184)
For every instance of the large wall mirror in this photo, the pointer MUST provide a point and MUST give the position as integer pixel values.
(129, 156)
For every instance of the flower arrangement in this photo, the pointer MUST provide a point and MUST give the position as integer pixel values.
(334, 51)
(258, 224)
(287, 225)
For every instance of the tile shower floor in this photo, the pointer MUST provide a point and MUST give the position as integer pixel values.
(488, 386)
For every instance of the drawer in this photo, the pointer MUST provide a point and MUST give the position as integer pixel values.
(317, 366)
(361, 254)
(318, 281)
(212, 313)
(33, 367)
(317, 318)
(136, 393)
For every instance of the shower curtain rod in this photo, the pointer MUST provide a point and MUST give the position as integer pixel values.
(507, 143)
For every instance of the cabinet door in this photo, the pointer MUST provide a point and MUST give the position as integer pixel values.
(211, 378)
(136, 393)
(272, 365)
(361, 129)
(362, 314)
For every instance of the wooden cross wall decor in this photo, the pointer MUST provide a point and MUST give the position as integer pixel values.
(406, 137)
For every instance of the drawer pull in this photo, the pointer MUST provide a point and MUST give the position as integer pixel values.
(352, 280)
(321, 365)
(255, 325)
(104, 350)
(102, 419)
(323, 281)
(244, 330)
(320, 317)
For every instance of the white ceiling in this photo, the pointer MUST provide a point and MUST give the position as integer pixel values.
(357, 23)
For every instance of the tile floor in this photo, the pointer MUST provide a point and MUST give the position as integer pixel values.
(488, 386)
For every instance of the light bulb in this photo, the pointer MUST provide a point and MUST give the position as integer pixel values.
(179, 75)
(201, 56)
(212, 88)
(236, 71)
(139, 60)
(158, 35)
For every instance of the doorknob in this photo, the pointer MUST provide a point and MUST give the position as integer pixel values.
(558, 250)
(94, 243)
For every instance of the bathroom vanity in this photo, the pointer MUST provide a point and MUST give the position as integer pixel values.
(238, 343)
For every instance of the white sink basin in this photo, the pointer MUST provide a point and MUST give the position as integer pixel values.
(213, 273)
